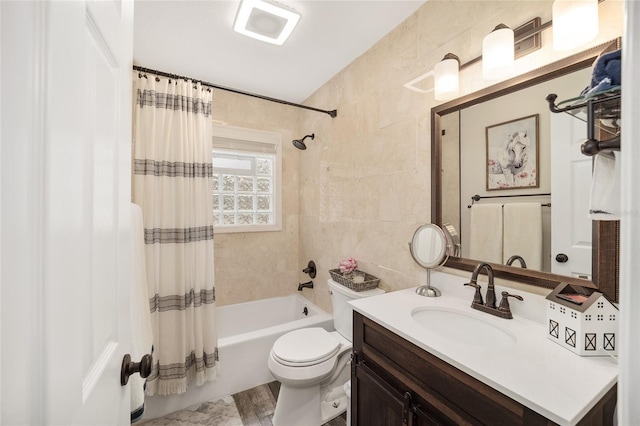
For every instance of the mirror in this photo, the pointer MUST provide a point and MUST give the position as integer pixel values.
(430, 250)
(450, 202)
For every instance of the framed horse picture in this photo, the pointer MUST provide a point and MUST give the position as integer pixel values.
(512, 154)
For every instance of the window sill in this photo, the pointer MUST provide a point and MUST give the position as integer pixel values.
(246, 228)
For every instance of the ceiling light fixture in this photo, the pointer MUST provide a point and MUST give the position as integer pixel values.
(265, 21)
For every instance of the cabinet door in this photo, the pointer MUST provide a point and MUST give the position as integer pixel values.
(422, 418)
(379, 403)
(374, 403)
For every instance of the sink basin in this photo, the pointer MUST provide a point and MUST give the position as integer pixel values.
(461, 327)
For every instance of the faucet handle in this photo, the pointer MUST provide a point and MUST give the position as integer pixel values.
(477, 297)
(504, 303)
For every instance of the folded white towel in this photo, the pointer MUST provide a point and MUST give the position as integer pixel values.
(523, 233)
(141, 333)
(485, 241)
(604, 203)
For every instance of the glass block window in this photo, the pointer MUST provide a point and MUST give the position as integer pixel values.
(246, 180)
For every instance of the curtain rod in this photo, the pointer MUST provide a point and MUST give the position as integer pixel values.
(332, 113)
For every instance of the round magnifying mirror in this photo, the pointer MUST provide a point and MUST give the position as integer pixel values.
(430, 250)
(429, 246)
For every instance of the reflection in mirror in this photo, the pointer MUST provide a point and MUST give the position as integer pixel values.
(430, 250)
(453, 239)
(461, 163)
(464, 164)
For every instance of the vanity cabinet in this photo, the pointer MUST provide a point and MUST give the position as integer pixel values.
(395, 382)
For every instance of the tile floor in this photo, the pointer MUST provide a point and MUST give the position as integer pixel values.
(253, 407)
(222, 412)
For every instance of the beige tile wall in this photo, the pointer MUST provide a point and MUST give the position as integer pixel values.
(365, 182)
(257, 265)
(363, 185)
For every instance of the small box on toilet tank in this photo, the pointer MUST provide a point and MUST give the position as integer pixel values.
(582, 320)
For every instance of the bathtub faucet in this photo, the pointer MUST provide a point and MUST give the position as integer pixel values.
(305, 285)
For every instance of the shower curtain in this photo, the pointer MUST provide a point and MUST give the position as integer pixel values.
(172, 183)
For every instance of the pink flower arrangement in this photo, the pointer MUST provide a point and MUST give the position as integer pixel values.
(348, 265)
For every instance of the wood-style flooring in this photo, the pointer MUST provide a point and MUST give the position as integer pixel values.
(257, 405)
(253, 407)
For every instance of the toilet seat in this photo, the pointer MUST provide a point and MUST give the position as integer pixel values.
(305, 347)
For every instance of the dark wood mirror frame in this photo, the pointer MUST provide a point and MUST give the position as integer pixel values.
(606, 241)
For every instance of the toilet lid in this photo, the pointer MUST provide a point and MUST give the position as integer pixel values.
(307, 346)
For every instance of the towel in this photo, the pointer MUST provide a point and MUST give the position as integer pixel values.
(606, 73)
(141, 333)
(485, 241)
(604, 203)
(523, 233)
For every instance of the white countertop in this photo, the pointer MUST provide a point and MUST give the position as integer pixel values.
(536, 372)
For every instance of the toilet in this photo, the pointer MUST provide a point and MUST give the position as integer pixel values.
(313, 365)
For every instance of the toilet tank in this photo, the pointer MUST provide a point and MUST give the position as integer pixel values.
(342, 311)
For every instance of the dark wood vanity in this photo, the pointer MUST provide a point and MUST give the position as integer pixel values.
(395, 382)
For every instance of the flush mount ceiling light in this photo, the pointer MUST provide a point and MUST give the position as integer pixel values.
(265, 21)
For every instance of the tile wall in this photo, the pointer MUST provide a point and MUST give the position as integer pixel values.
(257, 265)
(363, 185)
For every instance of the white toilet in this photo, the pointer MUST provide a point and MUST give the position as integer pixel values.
(313, 365)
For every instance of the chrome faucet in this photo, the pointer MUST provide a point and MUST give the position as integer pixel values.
(518, 258)
(504, 311)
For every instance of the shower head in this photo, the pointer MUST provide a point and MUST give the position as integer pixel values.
(299, 143)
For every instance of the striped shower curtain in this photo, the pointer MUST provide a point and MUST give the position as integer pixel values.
(172, 183)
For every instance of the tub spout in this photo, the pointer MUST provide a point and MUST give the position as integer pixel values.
(305, 285)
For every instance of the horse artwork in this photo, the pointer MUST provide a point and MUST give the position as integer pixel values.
(512, 154)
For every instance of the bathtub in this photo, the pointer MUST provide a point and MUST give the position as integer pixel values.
(246, 333)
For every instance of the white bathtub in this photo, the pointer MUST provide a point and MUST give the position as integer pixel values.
(246, 333)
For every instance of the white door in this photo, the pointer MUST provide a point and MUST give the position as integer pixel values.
(570, 186)
(66, 245)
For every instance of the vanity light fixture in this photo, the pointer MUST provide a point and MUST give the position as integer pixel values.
(575, 22)
(266, 21)
(446, 81)
(498, 53)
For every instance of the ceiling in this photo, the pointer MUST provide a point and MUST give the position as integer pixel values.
(196, 39)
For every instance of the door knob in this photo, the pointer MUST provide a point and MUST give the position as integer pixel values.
(562, 258)
(128, 368)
